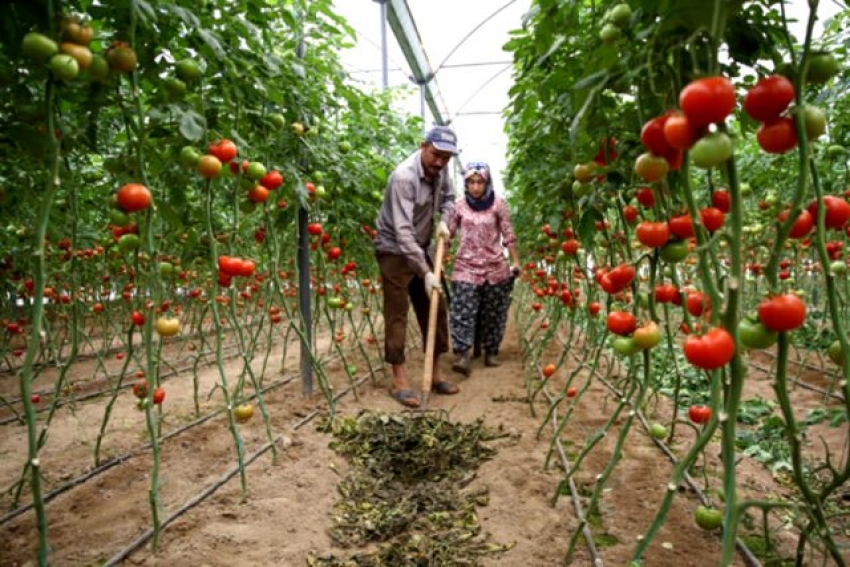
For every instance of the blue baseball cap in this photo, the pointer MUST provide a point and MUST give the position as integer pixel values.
(443, 138)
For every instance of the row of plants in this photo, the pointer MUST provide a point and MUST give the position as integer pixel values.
(698, 155)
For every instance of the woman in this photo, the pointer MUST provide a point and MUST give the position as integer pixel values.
(481, 282)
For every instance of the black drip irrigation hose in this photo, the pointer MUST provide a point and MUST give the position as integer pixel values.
(574, 496)
(211, 489)
(749, 558)
(97, 393)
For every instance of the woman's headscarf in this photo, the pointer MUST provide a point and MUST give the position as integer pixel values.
(489, 196)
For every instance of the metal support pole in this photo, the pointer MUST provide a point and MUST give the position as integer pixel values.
(304, 302)
(385, 76)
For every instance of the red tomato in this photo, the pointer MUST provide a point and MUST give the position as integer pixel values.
(706, 101)
(225, 150)
(133, 197)
(272, 180)
(777, 136)
(229, 265)
(722, 200)
(712, 350)
(652, 234)
(138, 318)
(652, 135)
(258, 194)
(593, 308)
(630, 213)
(570, 247)
(681, 226)
(679, 132)
(712, 218)
(572, 391)
(665, 293)
(246, 268)
(314, 229)
(646, 197)
(334, 253)
(697, 303)
(699, 414)
(622, 275)
(802, 226)
(784, 312)
(837, 211)
(622, 323)
(158, 395)
(35, 398)
(769, 98)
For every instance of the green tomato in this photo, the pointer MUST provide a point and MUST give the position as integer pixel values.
(166, 269)
(98, 69)
(815, 120)
(175, 88)
(836, 151)
(187, 70)
(277, 120)
(129, 242)
(581, 189)
(708, 518)
(822, 67)
(255, 171)
(674, 251)
(835, 354)
(38, 47)
(189, 157)
(746, 189)
(334, 302)
(838, 268)
(610, 33)
(620, 15)
(711, 150)
(321, 192)
(118, 217)
(345, 146)
(625, 346)
(658, 431)
(753, 334)
(64, 67)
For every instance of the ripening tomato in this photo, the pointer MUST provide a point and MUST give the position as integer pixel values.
(647, 336)
(699, 413)
(208, 166)
(781, 313)
(651, 167)
(121, 57)
(549, 370)
(258, 194)
(572, 392)
(138, 318)
(630, 213)
(706, 101)
(314, 229)
(710, 351)
(133, 197)
(652, 234)
(679, 132)
(622, 323)
(777, 136)
(140, 388)
(769, 98)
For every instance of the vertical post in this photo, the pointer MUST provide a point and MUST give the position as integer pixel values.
(422, 87)
(385, 76)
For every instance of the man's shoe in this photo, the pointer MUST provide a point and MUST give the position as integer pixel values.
(491, 360)
(463, 365)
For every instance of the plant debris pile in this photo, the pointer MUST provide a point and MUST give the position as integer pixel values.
(404, 495)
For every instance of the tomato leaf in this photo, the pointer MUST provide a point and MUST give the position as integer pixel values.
(192, 126)
(587, 226)
(212, 41)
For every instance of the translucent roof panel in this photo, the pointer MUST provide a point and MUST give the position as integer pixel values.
(462, 40)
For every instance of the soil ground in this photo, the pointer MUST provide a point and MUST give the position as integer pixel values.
(287, 514)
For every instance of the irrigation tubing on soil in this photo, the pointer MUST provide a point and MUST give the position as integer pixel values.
(566, 465)
(747, 555)
(211, 489)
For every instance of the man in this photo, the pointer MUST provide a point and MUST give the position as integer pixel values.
(418, 188)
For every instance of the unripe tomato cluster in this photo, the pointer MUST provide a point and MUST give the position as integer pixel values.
(71, 55)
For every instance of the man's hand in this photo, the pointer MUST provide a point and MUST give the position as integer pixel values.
(443, 230)
(431, 283)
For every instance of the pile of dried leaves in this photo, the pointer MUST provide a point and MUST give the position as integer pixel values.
(404, 498)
